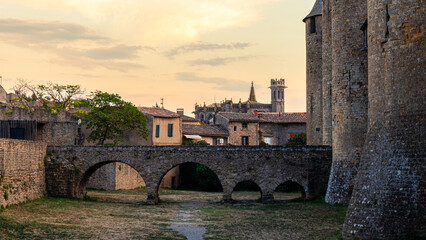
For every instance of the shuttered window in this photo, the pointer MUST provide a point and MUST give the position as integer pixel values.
(157, 131)
(170, 132)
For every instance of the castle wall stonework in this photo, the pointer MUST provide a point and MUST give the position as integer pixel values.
(326, 74)
(314, 80)
(22, 171)
(350, 96)
(68, 168)
(389, 196)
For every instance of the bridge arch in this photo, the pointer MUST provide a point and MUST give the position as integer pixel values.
(294, 184)
(85, 176)
(164, 170)
(249, 181)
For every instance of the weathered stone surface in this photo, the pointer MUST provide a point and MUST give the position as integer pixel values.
(349, 94)
(21, 171)
(326, 74)
(389, 195)
(69, 167)
(314, 97)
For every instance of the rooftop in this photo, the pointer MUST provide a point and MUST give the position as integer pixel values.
(204, 130)
(189, 119)
(297, 117)
(239, 117)
(158, 112)
(316, 10)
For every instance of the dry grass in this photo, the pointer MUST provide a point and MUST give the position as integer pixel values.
(124, 215)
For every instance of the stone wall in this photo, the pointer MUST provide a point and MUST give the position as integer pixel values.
(326, 74)
(389, 196)
(314, 80)
(115, 176)
(69, 167)
(22, 172)
(350, 96)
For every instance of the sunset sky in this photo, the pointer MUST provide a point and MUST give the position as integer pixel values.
(185, 51)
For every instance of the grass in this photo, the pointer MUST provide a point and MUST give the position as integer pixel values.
(123, 214)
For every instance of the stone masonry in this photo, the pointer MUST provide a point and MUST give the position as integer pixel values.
(389, 195)
(22, 171)
(326, 74)
(314, 75)
(349, 94)
(70, 167)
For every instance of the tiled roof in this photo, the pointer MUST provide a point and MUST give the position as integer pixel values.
(214, 104)
(316, 10)
(158, 112)
(204, 130)
(239, 117)
(299, 117)
(189, 119)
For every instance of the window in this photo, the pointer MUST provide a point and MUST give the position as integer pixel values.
(157, 131)
(268, 140)
(313, 26)
(235, 128)
(244, 125)
(244, 140)
(170, 132)
(17, 133)
(365, 37)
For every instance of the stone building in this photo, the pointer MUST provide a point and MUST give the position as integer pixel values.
(3, 95)
(380, 155)
(207, 113)
(243, 128)
(212, 134)
(278, 128)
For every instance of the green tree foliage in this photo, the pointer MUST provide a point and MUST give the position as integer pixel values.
(194, 176)
(191, 142)
(111, 116)
(298, 139)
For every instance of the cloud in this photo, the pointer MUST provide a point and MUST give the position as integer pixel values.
(204, 46)
(115, 52)
(217, 61)
(219, 82)
(42, 31)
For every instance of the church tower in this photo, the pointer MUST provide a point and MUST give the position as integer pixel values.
(277, 95)
(252, 97)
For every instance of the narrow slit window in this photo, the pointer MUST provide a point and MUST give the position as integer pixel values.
(313, 25)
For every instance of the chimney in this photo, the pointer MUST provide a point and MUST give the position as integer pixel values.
(179, 111)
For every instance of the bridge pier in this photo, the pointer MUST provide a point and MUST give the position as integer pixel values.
(227, 198)
(267, 198)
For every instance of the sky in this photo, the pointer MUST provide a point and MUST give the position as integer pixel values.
(185, 51)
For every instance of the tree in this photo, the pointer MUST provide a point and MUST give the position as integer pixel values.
(111, 116)
(51, 96)
(298, 139)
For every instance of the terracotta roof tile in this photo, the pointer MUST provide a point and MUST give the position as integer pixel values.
(189, 119)
(204, 130)
(158, 112)
(239, 117)
(299, 117)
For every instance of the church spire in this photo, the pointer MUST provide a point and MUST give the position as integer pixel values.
(252, 97)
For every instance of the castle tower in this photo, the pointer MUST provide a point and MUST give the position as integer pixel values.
(313, 33)
(389, 195)
(326, 73)
(252, 97)
(349, 96)
(277, 95)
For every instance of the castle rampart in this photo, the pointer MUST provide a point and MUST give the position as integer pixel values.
(349, 96)
(326, 74)
(389, 195)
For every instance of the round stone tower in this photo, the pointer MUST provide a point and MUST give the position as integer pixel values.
(389, 196)
(313, 33)
(349, 96)
(326, 73)
(277, 95)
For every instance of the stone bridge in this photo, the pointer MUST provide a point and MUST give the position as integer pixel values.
(68, 168)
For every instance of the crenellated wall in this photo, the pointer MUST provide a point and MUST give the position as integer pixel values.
(22, 171)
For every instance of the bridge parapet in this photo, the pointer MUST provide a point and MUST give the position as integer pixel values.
(68, 168)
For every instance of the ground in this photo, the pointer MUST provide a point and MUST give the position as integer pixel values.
(124, 215)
